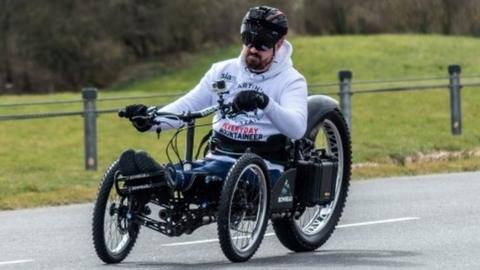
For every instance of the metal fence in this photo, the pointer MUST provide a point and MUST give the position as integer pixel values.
(344, 86)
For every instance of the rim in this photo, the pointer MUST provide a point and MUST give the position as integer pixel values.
(248, 207)
(314, 219)
(115, 222)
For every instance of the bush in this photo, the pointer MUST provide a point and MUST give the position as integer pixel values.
(51, 46)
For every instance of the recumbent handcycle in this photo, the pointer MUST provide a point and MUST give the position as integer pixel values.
(304, 204)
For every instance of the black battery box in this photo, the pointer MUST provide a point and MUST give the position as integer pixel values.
(316, 181)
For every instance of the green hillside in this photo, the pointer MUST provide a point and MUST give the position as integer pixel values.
(370, 57)
(393, 133)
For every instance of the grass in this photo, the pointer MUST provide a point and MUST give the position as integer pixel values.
(41, 161)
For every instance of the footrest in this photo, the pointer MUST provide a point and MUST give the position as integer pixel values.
(143, 182)
(142, 176)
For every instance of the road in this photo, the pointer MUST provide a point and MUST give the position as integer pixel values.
(423, 222)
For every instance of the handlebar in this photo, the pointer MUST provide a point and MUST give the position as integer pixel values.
(122, 113)
(225, 110)
(153, 112)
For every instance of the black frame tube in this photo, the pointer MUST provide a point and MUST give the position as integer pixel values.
(189, 142)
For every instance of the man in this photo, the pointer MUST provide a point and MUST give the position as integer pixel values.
(262, 83)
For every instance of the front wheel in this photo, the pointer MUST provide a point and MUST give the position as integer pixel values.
(244, 208)
(312, 226)
(113, 235)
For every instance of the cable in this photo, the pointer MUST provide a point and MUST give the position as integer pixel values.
(170, 144)
(175, 146)
(173, 142)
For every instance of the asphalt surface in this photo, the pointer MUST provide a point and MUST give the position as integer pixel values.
(424, 222)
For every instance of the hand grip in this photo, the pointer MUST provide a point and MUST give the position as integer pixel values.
(122, 113)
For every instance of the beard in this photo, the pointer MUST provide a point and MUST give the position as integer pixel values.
(255, 62)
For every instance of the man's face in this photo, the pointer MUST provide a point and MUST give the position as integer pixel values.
(259, 60)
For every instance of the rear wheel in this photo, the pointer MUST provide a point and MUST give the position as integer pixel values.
(243, 209)
(113, 236)
(312, 227)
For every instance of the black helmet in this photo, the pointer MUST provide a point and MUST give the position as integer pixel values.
(263, 26)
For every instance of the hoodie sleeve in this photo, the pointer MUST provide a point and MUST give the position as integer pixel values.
(289, 115)
(198, 98)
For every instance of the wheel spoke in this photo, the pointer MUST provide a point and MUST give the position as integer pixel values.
(110, 236)
(116, 239)
(248, 199)
(313, 219)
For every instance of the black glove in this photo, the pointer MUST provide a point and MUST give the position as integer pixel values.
(135, 110)
(250, 100)
(137, 114)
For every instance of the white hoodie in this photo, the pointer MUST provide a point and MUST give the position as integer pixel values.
(286, 112)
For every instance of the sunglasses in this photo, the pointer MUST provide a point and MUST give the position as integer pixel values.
(259, 42)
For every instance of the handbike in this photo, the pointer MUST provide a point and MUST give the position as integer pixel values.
(304, 204)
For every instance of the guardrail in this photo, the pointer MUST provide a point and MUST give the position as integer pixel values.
(345, 78)
(90, 100)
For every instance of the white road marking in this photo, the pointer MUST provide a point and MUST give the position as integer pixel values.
(272, 234)
(377, 222)
(190, 243)
(15, 262)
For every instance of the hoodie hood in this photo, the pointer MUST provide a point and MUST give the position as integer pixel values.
(281, 61)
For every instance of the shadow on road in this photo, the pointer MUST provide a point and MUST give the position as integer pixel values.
(347, 258)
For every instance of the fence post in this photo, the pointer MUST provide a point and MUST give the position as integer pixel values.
(345, 77)
(90, 119)
(455, 99)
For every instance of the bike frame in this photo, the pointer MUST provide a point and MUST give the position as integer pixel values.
(187, 165)
(189, 119)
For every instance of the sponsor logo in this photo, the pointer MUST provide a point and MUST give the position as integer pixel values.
(286, 195)
(239, 132)
(286, 188)
(285, 199)
(249, 86)
(227, 76)
(140, 187)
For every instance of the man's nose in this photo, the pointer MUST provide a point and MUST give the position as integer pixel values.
(252, 49)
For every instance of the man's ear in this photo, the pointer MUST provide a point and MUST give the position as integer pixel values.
(279, 43)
